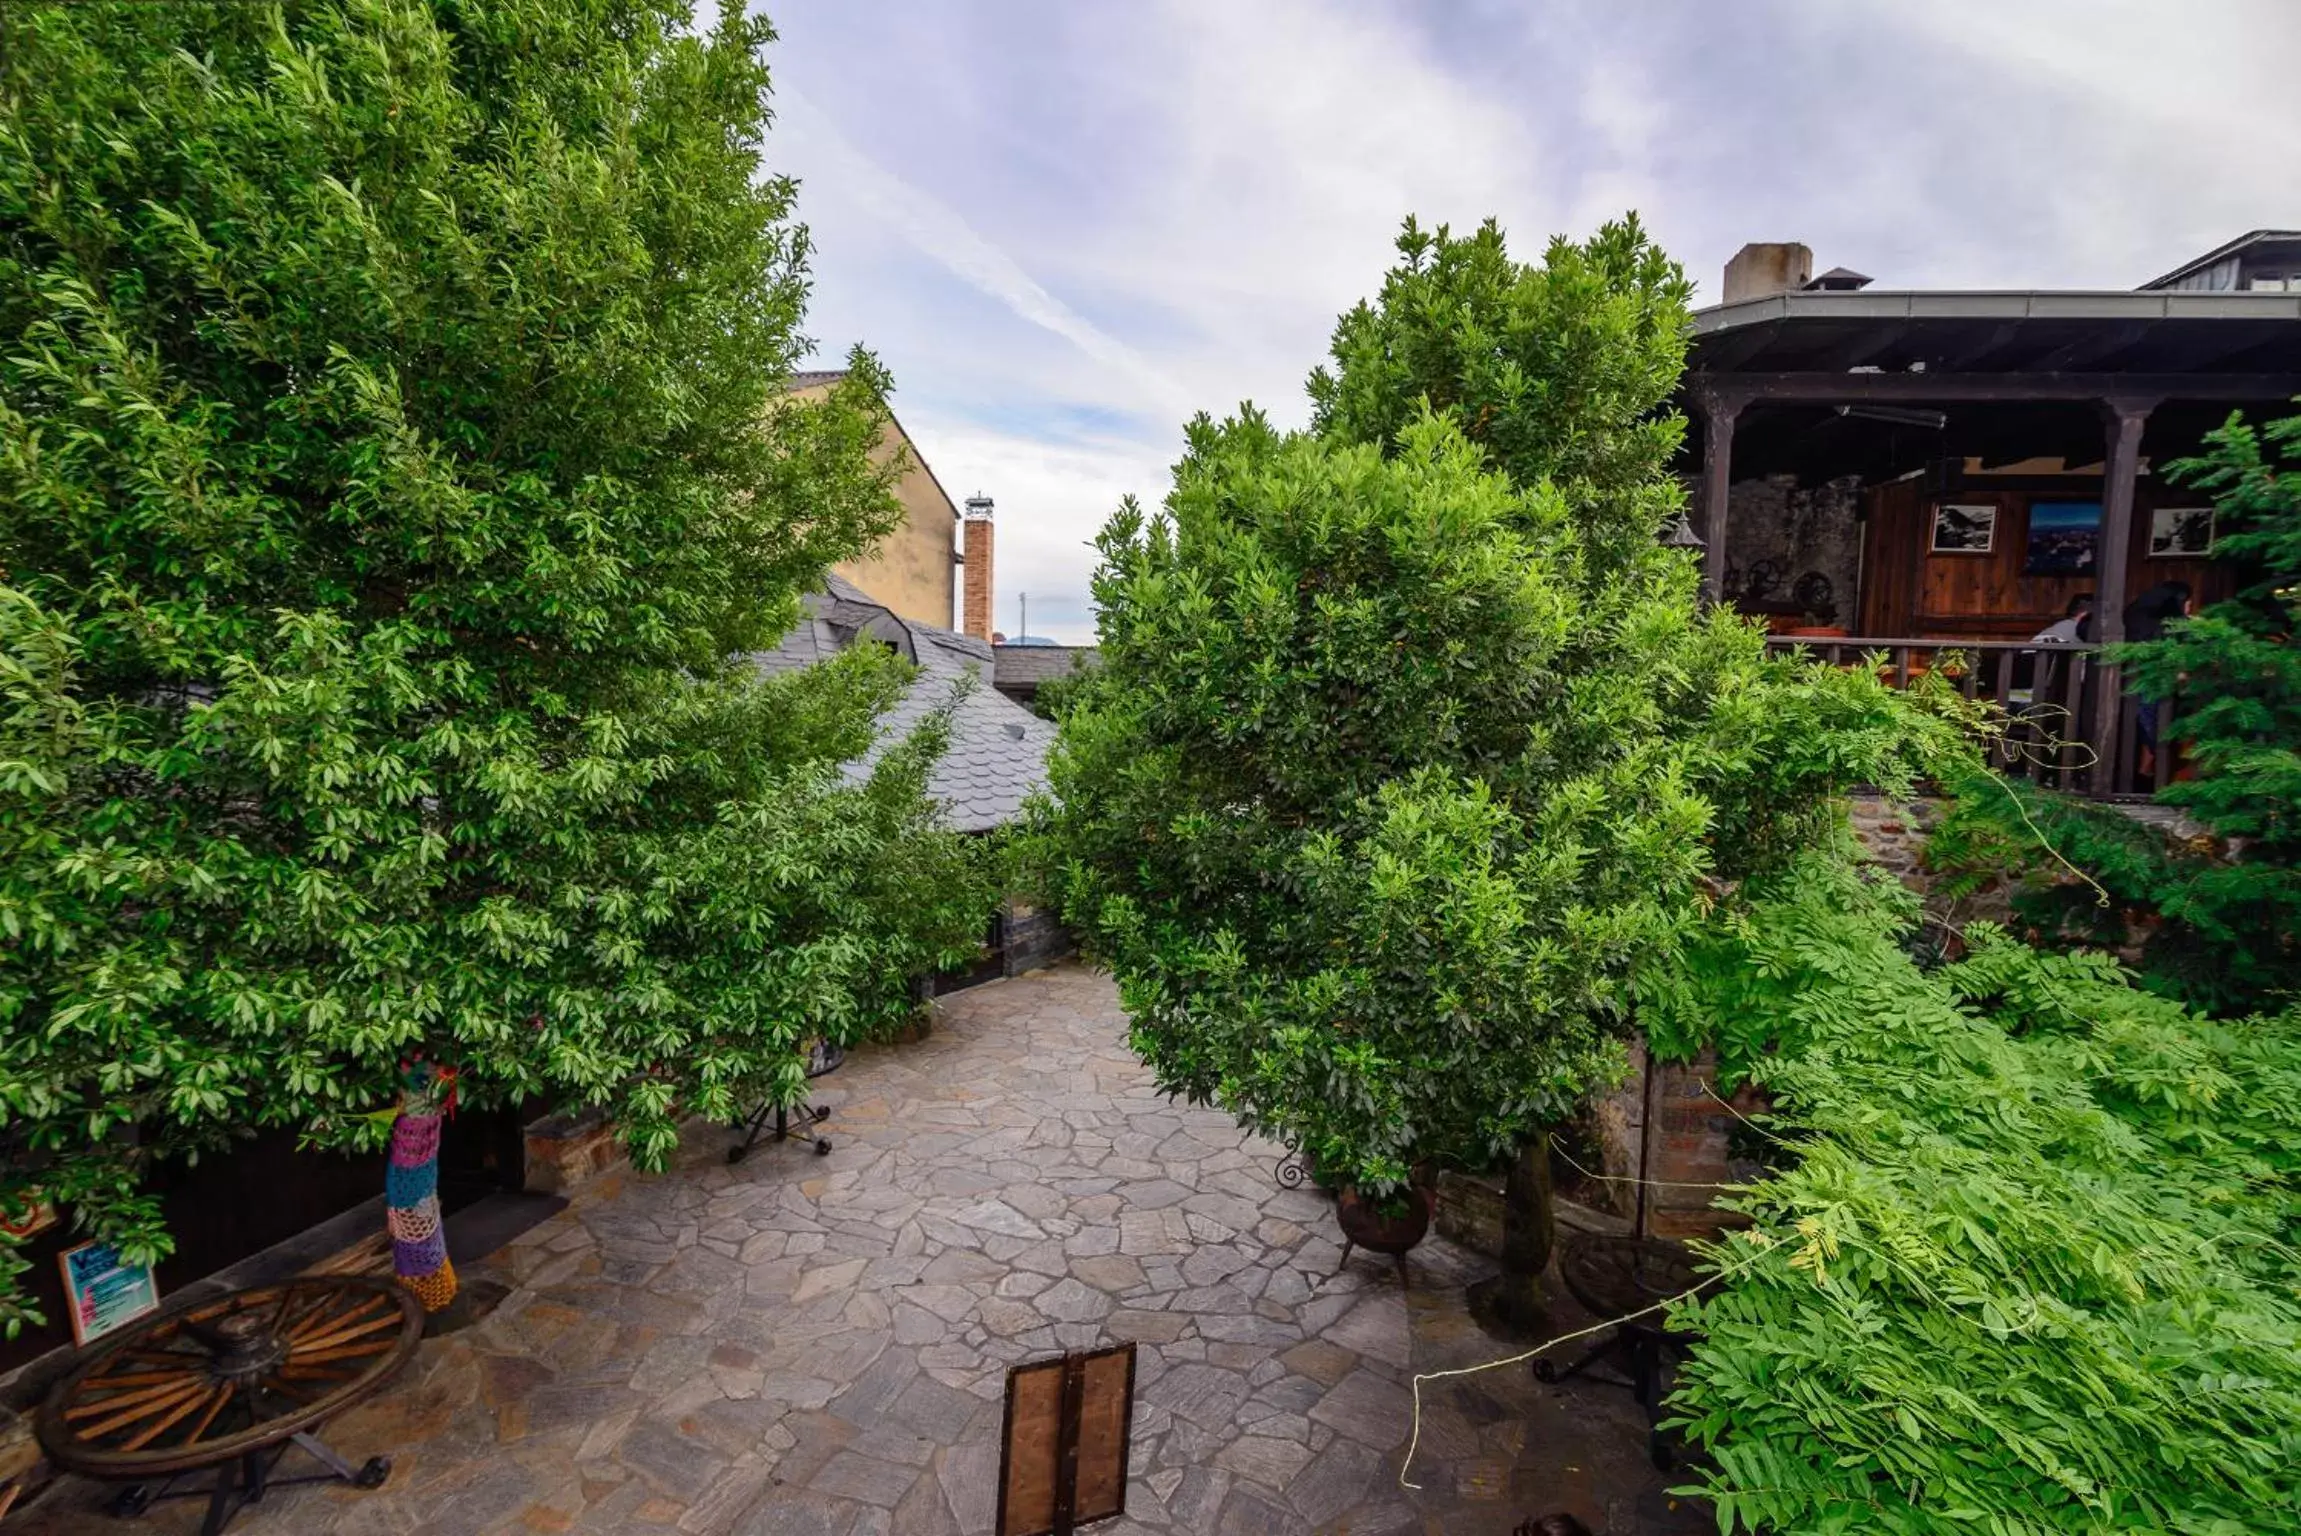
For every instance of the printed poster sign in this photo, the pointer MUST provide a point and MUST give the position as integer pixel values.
(1964, 530)
(102, 1292)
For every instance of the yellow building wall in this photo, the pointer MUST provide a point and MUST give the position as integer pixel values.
(912, 569)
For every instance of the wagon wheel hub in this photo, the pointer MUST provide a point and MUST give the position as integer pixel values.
(244, 1348)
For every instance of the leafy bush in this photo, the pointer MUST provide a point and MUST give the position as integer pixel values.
(394, 466)
(2037, 1265)
(1338, 819)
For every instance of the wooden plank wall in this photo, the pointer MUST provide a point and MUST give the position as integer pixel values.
(1907, 590)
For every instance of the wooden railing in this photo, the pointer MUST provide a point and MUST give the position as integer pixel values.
(2048, 695)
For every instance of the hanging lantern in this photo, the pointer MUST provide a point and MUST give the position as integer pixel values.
(1681, 535)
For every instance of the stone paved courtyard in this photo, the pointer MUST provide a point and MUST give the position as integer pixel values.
(803, 1346)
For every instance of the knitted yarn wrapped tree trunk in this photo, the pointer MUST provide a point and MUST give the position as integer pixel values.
(411, 1188)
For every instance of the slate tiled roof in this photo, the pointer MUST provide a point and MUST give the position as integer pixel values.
(1021, 668)
(998, 750)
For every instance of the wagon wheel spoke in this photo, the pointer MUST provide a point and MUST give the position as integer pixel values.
(161, 1355)
(199, 1428)
(344, 1332)
(326, 1314)
(144, 1406)
(206, 1396)
(288, 1315)
(174, 1382)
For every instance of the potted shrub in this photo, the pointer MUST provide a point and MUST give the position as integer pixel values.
(1393, 1224)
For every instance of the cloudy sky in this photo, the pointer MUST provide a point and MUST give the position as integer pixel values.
(1068, 226)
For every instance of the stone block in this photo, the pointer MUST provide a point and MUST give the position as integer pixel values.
(568, 1149)
(1031, 938)
(1470, 1210)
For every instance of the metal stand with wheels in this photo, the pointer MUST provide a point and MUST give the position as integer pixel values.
(822, 1057)
(811, 1116)
(246, 1480)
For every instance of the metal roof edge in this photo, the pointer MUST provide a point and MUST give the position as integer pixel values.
(1996, 304)
(2227, 248)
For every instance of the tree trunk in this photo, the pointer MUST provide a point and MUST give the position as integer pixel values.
(1515, 1303)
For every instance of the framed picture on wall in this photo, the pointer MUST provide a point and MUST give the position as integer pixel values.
(1964, 529)
(2181, 533)
(2064, 538)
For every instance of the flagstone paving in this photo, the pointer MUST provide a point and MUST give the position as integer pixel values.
(803, 1346)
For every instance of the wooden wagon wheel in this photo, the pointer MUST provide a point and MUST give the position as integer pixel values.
(228, 1378)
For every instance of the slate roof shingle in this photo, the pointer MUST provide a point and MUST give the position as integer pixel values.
(998, 750)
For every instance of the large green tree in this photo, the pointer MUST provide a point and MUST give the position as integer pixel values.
(394, 469)
(1409, 753)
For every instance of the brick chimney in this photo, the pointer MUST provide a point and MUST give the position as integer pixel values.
(976, 609)
(1759, 270)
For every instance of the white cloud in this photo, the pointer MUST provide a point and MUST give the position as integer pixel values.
(1051, 501)
(1292, 141)
(1066, 227)
(941, 233)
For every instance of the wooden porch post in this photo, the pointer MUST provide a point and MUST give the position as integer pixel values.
(2124, 418)
(1718, 413)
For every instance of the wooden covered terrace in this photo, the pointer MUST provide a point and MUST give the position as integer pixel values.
(1922, 472)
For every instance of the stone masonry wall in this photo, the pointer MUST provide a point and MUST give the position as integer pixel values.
(1689, 1155)
(1795, 531)
(1894, 834)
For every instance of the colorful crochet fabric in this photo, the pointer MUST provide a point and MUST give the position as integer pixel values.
(411, 1200)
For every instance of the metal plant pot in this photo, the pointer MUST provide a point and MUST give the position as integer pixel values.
(1366, 1225)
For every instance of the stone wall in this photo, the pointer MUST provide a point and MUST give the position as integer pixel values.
(567, 1150)
(1030, 937)
(1795, 532)
(1686, 1157)
(1894, 834)
(1469, 1212)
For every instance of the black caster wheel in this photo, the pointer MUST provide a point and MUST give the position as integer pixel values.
(130, 1501)
(822, 1147)
(735, 1155)
(1545, 1370)
(372, 1475)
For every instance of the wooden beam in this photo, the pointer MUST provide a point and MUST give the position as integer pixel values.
(1717, 484)
(1996, 338)
(1733, 350)
(1824, 388)
(1859, 349)
(2124, 417)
